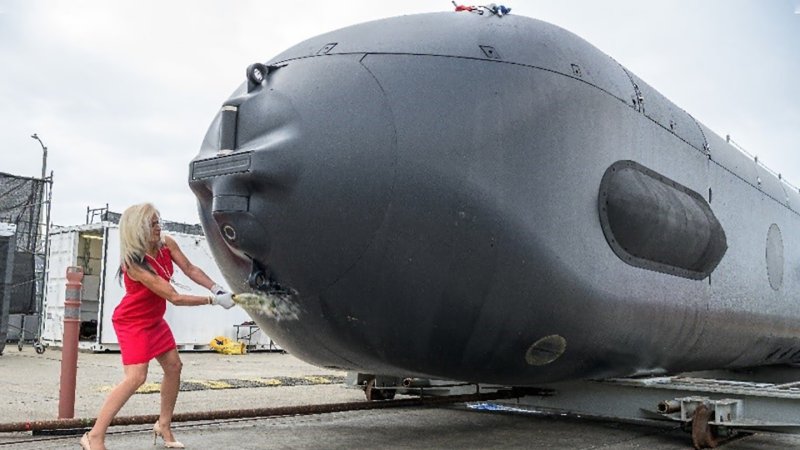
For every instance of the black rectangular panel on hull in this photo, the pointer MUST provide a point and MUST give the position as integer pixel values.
(223, 165)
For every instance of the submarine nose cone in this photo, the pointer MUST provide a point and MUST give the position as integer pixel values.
(297, 180)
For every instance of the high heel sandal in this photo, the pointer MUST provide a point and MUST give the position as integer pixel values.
(85, 445)
(168, 444)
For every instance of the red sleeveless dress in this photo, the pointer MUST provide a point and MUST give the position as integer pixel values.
(139, 321)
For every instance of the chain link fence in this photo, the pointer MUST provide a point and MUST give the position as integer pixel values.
(22, 203)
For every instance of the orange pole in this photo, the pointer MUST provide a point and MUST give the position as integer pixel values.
(69, 343)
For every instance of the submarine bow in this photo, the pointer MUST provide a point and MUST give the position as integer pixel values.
(495, 200)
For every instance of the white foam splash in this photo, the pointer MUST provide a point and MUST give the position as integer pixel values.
(274, 306)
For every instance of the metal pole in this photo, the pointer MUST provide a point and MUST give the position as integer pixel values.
(44, 155)
(40, 303)
(261, 412)
(69, 344)
(43, 229)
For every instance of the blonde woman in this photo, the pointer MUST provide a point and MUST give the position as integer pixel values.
(146, 266)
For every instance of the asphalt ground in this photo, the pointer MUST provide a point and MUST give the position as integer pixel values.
(29, 391)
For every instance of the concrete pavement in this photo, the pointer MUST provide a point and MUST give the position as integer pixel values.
(29, 391)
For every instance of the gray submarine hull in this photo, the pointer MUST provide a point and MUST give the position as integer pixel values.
(493, 200)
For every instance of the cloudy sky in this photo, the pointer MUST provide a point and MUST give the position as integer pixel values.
(122, 92)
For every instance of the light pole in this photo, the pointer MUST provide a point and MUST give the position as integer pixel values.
(44, 155)
(44, 231)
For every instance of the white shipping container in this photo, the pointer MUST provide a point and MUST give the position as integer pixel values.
(193, 327)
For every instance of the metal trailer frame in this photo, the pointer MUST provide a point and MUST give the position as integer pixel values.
(710, 405)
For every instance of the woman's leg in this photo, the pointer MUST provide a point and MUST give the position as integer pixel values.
(172, 365)
(135, 376)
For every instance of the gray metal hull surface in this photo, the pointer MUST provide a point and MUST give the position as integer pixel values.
(428, 189)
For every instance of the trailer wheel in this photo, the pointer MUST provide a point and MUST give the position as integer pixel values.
(703, 435)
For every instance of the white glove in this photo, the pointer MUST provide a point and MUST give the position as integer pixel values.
(217, 289)
(224, 300)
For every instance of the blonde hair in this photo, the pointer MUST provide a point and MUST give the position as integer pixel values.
(134, 234)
